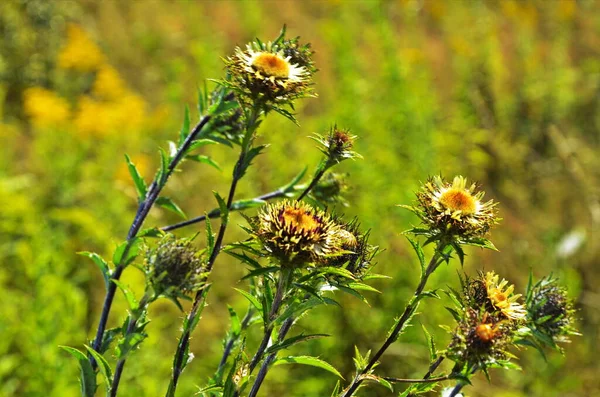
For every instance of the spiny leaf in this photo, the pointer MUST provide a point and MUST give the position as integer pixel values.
(102, 365)
(129, 295)
(185, 127)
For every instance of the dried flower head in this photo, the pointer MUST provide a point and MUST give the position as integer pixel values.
(175, 267)
(278, 71)
(455, 208)
(330, 189)
(550, 312)
(296, 233)
(480, 340)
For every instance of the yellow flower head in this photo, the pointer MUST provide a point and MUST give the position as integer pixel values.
(455, 208)
(502, 298)
(278, 72)
(296, 233)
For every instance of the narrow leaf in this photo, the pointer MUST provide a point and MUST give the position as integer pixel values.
(167, 203)
(101, 263)
(140, 184)
(308, 360)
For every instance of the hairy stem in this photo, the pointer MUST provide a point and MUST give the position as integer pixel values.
(406, 315)
(138, 220)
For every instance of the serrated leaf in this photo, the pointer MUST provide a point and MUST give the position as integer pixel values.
(167, 203)
(88, 376)
(378, 380)
(308, 360)
(430, 344)
(198, 143)
(251, 299)
(101, 263)
(129, 295)
(245, 259)
(140, 184)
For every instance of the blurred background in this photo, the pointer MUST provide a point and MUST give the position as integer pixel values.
(504, 92)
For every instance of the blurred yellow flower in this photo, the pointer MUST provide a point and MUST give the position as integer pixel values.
(45, 108)
(97, 118)
(108, 83)
(80, 52)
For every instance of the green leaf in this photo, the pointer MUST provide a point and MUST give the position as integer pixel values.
(241, 205)
(430, 344)
(200, 158)
(251, 299)
(167, 203)
(210, 237)
(245, 259)
(240, 168)
(126, 252)
(101, 263)
(88, 376)
(480, 242)
(419, 251)
(140, 184)
(223, 208)
(185, 127)
(198, 143)
(236, 325)
(261, 271)
(378, 380)
(102, 365)
(129, 295)
(151, 232)
(163, 174)
(292, 341)
(308, 360)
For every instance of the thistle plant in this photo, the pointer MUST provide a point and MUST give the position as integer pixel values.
(299, 253)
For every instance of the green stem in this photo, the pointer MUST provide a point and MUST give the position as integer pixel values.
(184, 340)
(406, 315)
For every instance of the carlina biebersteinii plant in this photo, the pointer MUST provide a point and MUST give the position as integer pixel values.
(453, 214)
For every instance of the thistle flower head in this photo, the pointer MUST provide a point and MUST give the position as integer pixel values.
(550, 312)
(175, 267)
(494, 296)
(337, 145)
(501, 296)
(455, 208)
(276, 72)
(296, 233)
(480, 340)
